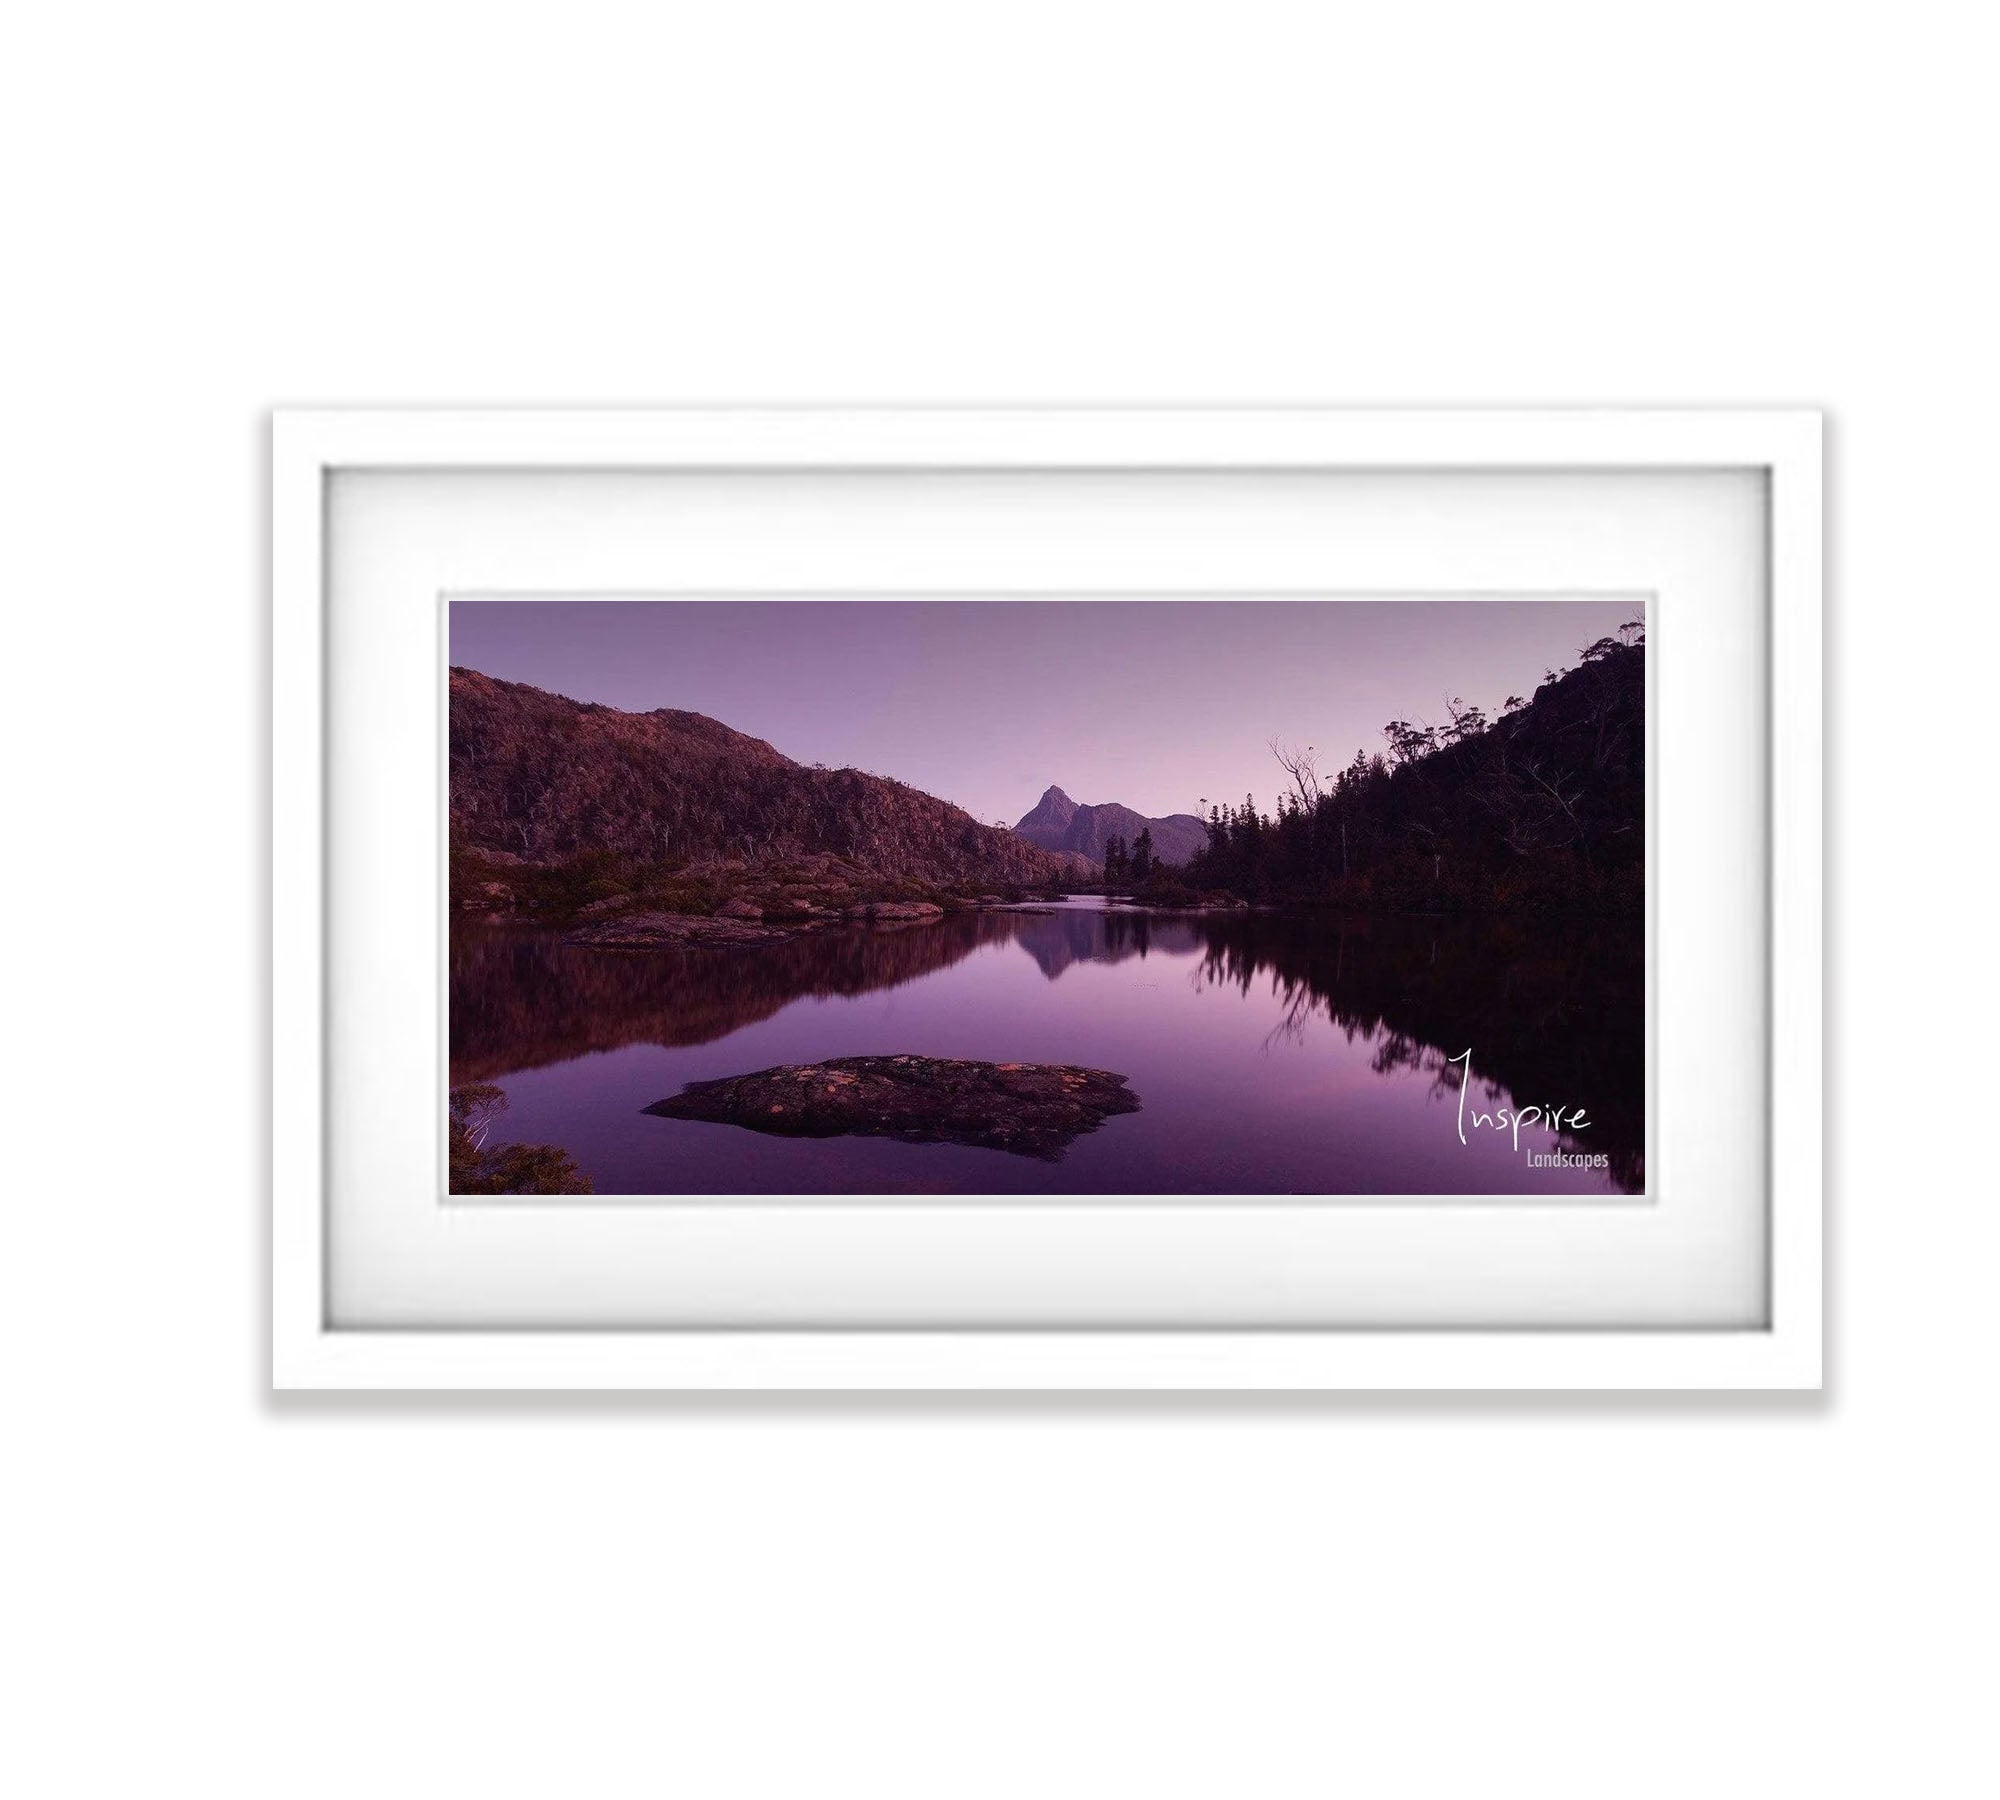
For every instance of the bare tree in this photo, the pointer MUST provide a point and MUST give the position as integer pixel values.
(1562, 824)
(1303, 767)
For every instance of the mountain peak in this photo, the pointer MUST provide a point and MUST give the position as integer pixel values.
(1058, 823)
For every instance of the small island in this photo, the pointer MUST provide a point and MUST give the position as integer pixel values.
(1031, 1109)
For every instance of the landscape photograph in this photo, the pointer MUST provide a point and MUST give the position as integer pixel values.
(1071, 898)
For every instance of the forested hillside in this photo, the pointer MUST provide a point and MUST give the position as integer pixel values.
(1541, 808)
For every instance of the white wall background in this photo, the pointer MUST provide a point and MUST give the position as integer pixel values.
(214, 208)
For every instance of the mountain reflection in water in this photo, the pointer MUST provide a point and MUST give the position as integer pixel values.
(1273, 1054)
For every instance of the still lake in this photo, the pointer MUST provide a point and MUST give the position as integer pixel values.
(1271, 1054)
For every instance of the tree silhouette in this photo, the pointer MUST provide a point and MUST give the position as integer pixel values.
(1540, 808)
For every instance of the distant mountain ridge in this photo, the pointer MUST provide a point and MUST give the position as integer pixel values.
(1058, 823)
(547, 779)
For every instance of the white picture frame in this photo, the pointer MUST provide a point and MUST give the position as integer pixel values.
(312, 1349)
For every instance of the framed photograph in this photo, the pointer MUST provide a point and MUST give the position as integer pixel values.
(1046, 900)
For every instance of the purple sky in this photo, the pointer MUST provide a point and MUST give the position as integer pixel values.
(985, 703)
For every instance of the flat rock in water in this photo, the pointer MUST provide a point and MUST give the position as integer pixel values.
(1032, 1109)
(895, 912)
(673, 931)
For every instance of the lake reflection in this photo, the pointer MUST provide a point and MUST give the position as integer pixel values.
(1271, 1054)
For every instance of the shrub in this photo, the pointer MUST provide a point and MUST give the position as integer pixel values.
(511, 1168)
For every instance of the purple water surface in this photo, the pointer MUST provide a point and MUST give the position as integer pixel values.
(1270, 1056)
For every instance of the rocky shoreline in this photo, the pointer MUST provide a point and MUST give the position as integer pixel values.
(723, 902)
(739, 923)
